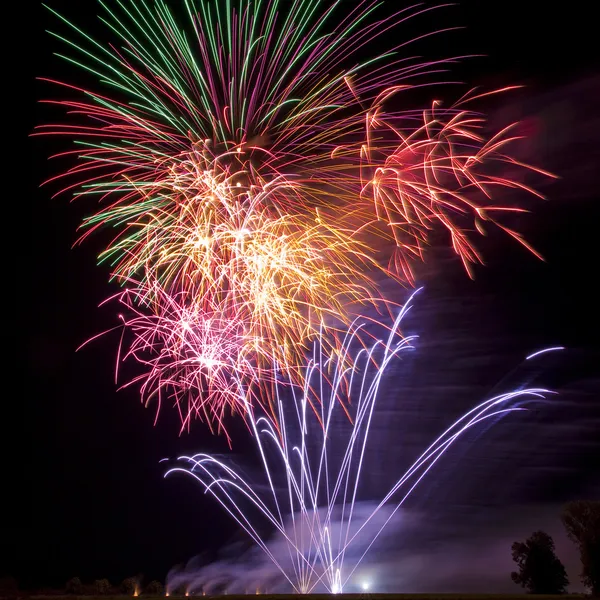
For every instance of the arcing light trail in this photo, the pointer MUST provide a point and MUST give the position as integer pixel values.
(250, 160)
(312, 478)
(544, 351)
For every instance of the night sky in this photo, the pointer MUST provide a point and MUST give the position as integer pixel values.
(86, 494)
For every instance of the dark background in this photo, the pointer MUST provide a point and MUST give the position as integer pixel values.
(85, 491)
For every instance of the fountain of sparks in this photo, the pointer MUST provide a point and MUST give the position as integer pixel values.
(312, 478)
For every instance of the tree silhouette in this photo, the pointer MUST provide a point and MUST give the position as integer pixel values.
(129, 586)
(540, 570)
(8, 585)
(74, 586)
(582, 522)
(154, 588)
(102, 587)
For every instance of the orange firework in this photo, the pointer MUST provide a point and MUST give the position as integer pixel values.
(227, 243)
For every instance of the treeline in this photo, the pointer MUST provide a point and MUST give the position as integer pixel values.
(540, 571)
(131, 586)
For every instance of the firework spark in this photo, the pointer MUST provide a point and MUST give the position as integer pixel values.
(312, 506)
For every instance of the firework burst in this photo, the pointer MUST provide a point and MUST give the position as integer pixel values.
(443, 172)
(267, 96)
(191, 355)
(250, 165)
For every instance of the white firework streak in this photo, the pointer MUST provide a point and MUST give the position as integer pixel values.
(316, 491)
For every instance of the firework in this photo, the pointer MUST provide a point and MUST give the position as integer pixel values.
(221, 238)
(268, 96)
(191, 354)
(312, 478)
(254, 171)
(200, 351)
(255, 175)
(443, 172)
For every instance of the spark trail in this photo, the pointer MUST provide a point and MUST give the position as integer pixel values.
(312, 477)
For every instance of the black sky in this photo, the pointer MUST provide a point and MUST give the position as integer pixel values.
(85, 491)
